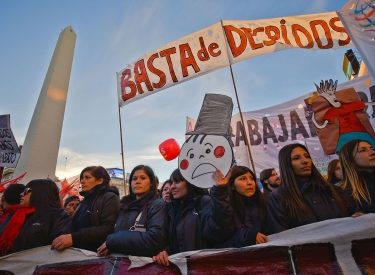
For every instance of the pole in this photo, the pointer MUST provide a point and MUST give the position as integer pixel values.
(66, 159)
(1, 172)
(122, 151)
(239, 108)
(242, 121)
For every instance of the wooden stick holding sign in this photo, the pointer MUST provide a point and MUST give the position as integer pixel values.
(239, 108)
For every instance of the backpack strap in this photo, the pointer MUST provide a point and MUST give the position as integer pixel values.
(134, 227)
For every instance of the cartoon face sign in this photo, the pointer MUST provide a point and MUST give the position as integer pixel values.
(200, 155)
(331, 98)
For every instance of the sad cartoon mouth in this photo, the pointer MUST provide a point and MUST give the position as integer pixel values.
(202, 169)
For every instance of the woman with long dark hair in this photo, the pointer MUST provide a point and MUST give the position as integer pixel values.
(95, 216)
(141, 227)
(38, 221)
(190, 222)
(358, 169)
(304, 196)
(248, 204)
(334, 171)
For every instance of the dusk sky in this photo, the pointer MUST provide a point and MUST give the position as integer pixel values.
(112, 34)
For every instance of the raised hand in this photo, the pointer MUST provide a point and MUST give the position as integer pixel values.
(219, 177)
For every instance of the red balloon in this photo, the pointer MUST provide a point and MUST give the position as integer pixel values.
(169, 149)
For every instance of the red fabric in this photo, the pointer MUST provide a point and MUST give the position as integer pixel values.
(69, 188)
(348, 120)
(13, 229)
(8, 210)
(4, 185)
(64, 184)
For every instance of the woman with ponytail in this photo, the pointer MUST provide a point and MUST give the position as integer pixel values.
(95, 216)
(38, 221)
(304, 196)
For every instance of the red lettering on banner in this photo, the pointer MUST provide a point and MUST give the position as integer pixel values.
(161, 74)
(188, 60)
(249, 33)
(140, 75)
(167, 54)
(327, 33)
(273, 37)
(236, 51)
(284, 32)
(339, 29)
(126, 83)
(212, 47)
(295, 28)
(202, 53)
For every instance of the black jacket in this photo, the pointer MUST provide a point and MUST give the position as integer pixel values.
(320, 203)
(153, 220)
(266, 192)
(34, 234)
(241, 232)
(103, 214)
(192, 225)
(365, 207)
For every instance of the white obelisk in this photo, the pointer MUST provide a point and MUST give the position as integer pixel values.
(40, 149)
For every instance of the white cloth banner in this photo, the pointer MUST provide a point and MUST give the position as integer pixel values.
(251, 38)
(272, 128)
(207, 50)
(191, 56)
(358, 17)
(338, 246)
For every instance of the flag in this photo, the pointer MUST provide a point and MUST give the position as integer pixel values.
(5, 184)
(70, 189)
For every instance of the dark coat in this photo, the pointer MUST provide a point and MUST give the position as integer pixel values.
(35, 234)
(103, 214)
(320, 203)
(153, 220)
(242, 232)
(364, 206)
(192, 225)
(266, 192)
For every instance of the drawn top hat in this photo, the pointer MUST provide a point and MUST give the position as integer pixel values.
(215, 116)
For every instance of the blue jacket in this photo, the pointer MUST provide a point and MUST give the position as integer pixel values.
(153, 221)
(241, 232)
(193, 226)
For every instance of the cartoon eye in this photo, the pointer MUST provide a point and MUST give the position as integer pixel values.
(219, 151)
(191, 156)
(184, 164)
(208, 151)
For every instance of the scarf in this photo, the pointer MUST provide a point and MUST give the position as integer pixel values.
(12, 230)
(8, 210)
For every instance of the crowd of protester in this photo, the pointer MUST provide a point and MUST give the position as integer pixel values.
(183, 217)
